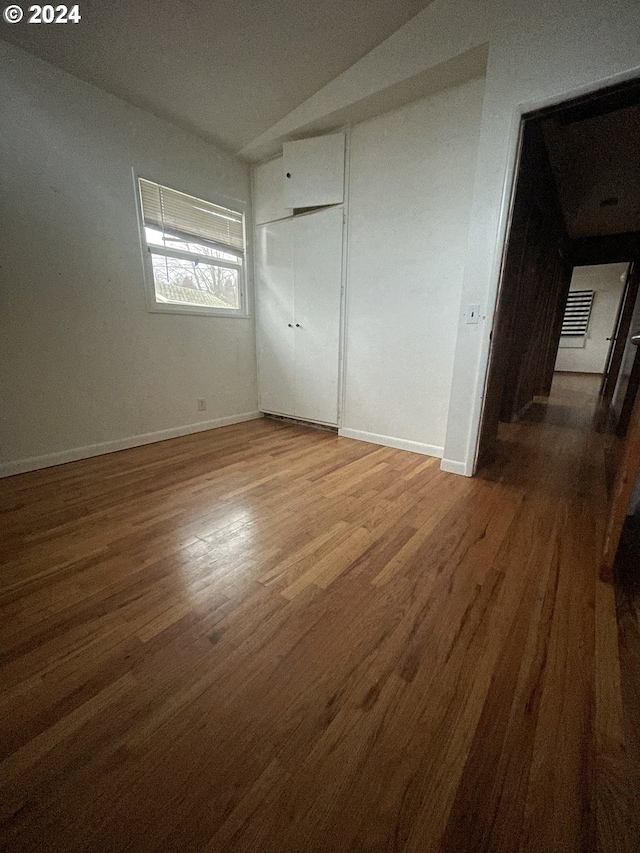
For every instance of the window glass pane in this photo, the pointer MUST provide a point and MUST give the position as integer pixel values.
(157, 238)
(183, 282)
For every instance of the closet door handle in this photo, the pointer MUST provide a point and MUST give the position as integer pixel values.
(290, 325)
(297, 325)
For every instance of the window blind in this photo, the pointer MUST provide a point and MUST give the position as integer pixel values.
(185, 215)
(577, 313)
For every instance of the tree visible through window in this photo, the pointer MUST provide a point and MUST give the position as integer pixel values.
(196, 250)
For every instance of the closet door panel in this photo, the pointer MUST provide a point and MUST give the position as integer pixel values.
(317, 262)
(275, 317)
(267, 189)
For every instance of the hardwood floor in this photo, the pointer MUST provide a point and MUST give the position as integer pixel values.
(273, 639)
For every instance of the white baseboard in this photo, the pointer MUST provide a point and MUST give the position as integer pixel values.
(454, 467)
(390, 441)
(21, 466)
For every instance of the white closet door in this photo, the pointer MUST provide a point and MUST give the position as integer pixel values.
(275, 317)
(317, 264)
(267, 192)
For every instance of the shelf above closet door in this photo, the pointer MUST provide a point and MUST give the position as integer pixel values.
(317, 263)
(275, 318)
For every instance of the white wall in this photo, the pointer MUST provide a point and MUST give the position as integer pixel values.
(604, 280)
(84, 366)
(539, 53)
(411, 182)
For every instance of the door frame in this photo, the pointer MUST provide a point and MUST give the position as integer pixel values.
(619, 336)
(625, 479)
(613, 88)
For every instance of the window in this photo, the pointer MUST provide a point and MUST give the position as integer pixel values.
(577, 313)
(196, 252)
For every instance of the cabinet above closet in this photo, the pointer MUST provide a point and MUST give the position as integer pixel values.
(267, 192)
(310, 173)
(313, 171)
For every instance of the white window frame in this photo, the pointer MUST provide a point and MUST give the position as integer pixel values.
(147, 250)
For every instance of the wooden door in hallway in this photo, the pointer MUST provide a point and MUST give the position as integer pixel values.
(620, 335)
(626, 477)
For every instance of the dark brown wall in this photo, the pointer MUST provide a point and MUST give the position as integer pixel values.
(535, 282)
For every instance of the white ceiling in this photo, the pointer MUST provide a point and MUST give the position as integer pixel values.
(225, 69)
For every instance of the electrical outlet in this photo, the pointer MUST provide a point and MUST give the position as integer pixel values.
(202, 404)
(473, 313)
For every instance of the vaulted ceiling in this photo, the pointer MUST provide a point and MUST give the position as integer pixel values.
(228, 69)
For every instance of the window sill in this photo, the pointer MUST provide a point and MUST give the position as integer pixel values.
(198, 312)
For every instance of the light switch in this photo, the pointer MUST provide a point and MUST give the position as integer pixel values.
(473, 313)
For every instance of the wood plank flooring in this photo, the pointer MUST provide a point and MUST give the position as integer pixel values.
(267, 638)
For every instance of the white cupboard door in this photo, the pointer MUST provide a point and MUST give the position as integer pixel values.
(317, 261)
(313, 171)
(275, 319)
(267, 192)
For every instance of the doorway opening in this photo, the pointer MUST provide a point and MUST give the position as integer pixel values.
(569, 303)
(597, 315)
